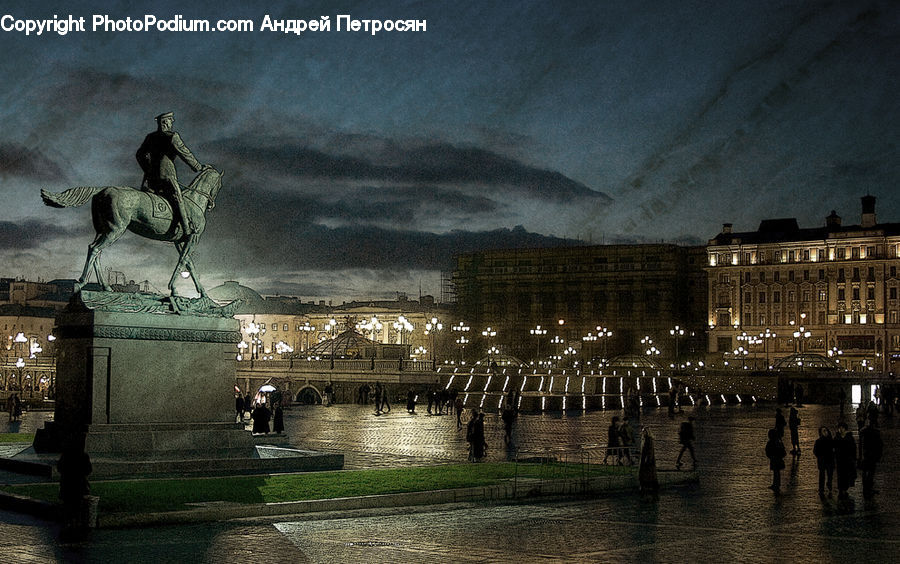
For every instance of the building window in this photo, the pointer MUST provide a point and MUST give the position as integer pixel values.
(762, 297)
(776, 276)
(854, 253)
(274, 327)
(855, 293)
(892, 293)
(723, 344)
(821, 317)
(791, 255)
(748, 297)
(842, 294)
(870, 293)
(823, 294)
(806, 274)
(791, 276)
(723, 319)
(870, 252)
(871, 273)
(790, 296)
(262, 326)
(893, 272)
(776, 297)
(762, 318)
(747, 278)
(776, 318)
(777, 256)
(762, 276)
(806, 254)
(841, 275)
(285, 328)
(895, 342)
(893, 316)
(821, 274)
(806, 295)
(841, 253)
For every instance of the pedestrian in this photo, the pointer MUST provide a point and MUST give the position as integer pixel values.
(673, 394)
(626, 437)
(239, 406)
(411, 401)
(870, 448)
(278, 419)
(798, 395)
(508, 415)
(647, 470)
(17, 407)
(844, 460)
(794, 425)
(248, 406)
(475, 437)
(612, 441)
(775, 453)
(823, 450)
(686, 438)
(11, 406)
(385, 400)
(458, 404)
(261, 416)
(780, 423)
(379, 397)
(329, 394)
(430, 395)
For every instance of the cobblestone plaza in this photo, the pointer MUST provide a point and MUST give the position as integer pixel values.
(730, 516)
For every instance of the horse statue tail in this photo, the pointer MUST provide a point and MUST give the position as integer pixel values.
(71, 198)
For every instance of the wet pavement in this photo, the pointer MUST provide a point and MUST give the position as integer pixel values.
(730, 516)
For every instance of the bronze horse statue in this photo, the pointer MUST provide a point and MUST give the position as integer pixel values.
(115, 209)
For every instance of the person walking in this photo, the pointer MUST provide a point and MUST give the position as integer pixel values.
(379, 397)
(239, 406)
(261, 416)
(508, 415)
(844, 460)
(612, 441)
(278, 419)
(458, 405)
(775, 453)
(794, 425)
(686, 438)
(823, 450)
(871, 448)
(411, 401)
(780, 423)
(626, 437)
(647, 477)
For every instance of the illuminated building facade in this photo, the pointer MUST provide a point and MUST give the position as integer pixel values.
(839, 282)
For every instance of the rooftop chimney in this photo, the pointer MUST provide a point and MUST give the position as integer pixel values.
(726, 228)
(868, 211)
(833, 220)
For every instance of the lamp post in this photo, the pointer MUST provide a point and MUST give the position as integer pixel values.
(589, 339)
(431, 328)
(306, 328)
(800, 334)
(569, 355)
(462, 341)
(604, 334)
(676, 332)
(538, 333)
(765, 336)
(835, 353)
(331, 325)
(489, 334)
(558, 341)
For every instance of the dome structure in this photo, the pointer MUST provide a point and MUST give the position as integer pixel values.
(230, 291)
(634, 361)
(348, 344)
(805, 361)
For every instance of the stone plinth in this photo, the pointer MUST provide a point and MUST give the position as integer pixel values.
(121, 368)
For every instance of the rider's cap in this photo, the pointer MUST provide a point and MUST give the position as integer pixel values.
(165, 115)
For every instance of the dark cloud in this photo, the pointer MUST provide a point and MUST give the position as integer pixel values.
(435, 163)
(19, 161)
(31, 234)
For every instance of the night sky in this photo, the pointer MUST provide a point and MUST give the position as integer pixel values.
(357, 165)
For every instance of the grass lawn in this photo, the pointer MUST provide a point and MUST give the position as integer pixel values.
(16, 437)
(140, 496)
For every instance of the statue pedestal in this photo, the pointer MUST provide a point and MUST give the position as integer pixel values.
(154, 393)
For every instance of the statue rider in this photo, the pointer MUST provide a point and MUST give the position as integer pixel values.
(157, 159)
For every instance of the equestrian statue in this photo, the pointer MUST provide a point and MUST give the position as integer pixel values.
(162, 209)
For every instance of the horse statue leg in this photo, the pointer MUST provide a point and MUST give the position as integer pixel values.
(189, 265)
(92, 263)
(185, 248)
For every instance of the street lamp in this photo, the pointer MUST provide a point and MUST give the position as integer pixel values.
(558, 341)
(330, 326)
(835, 354)
(462, 341)
(676, 332)
(431, 328)
(306, 328)
(241, 346)
(253, 332)
(590, 339)
(604, 334)
(538, 333)
(765, 338)
(402, 326)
